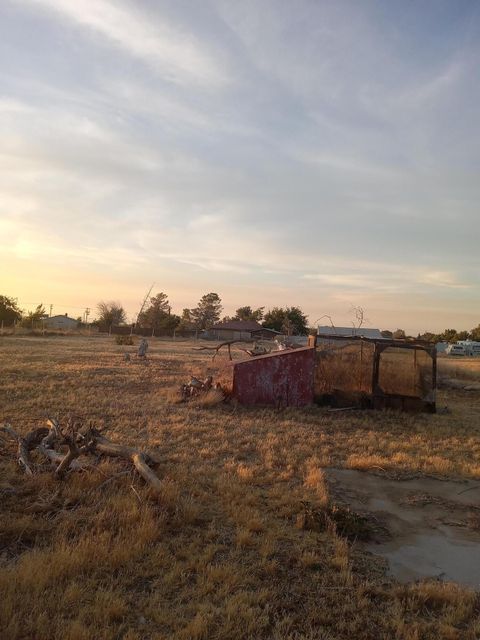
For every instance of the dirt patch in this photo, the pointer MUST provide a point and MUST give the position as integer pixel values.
(431, 523)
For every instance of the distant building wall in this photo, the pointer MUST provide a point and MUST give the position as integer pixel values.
(60, 322)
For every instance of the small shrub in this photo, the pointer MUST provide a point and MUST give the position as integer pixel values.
(127, 340)
(345, 522)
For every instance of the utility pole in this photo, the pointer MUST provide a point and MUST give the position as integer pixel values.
(51, 307)
(87, 313)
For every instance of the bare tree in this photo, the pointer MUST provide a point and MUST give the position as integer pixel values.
(111, 313)
(359, 313)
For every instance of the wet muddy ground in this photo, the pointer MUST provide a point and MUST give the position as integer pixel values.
(430, 527)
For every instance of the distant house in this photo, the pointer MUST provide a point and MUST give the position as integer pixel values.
(240, 330)
(348, 332)
(60, 322)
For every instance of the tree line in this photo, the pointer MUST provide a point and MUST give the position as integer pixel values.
(449, 335)
(11, 314)
(158, 316)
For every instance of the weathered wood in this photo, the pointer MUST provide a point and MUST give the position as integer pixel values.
(78, 443)
(144, 470)
(108, 448)
(56, 458)
(25, 445)
(54, 433)
(139, 459)
(227, 344)
(72, 453)
(102, 445)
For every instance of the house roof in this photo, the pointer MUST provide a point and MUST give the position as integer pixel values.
(63, 317)
(268, 330)
(351, 331)
(238, 325)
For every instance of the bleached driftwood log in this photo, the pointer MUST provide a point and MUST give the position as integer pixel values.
(144, 470)
(25, 444)
(78, 442)
(56, 457)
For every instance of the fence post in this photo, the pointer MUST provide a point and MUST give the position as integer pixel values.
(375, 370)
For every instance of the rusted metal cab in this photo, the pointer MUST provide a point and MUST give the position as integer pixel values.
(279, 379)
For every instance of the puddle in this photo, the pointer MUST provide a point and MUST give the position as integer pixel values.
(438, 554)
(428, 520)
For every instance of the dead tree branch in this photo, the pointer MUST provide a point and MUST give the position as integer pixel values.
(144, 470)
(25, 444)
(56, 458)
(79, 442)
(138, 458)
(227, 344)
(54, 433)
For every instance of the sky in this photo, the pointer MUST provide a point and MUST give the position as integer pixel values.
(323, 154)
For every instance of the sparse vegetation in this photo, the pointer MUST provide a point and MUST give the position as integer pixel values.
(110, 313)
(218, 554)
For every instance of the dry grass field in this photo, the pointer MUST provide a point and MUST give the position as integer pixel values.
(220, 553)
(460, 367)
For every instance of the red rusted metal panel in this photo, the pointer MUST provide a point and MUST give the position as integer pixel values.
(281, 379)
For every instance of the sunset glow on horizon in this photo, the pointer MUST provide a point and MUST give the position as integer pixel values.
(317, 154)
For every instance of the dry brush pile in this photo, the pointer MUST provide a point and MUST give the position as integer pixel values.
(77, 440)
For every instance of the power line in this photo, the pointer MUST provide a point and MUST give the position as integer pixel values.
(63, 306)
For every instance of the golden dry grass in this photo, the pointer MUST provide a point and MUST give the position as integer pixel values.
(218, 554)
(459, 367)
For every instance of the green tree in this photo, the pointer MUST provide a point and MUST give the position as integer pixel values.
(247, 313)
(399, 334)
(449, 335)
(9, 311)
(186, 321)
(111, 313)
(34, 317)
(290, 320)
(207, 312)
(475, 334)
(158, 315)
(429, 337)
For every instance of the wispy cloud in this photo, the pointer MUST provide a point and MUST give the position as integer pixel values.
(443, 279)
(187, 143)
(177, 54)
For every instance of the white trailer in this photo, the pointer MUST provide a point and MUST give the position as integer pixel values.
(455, 350)
(472, 348)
